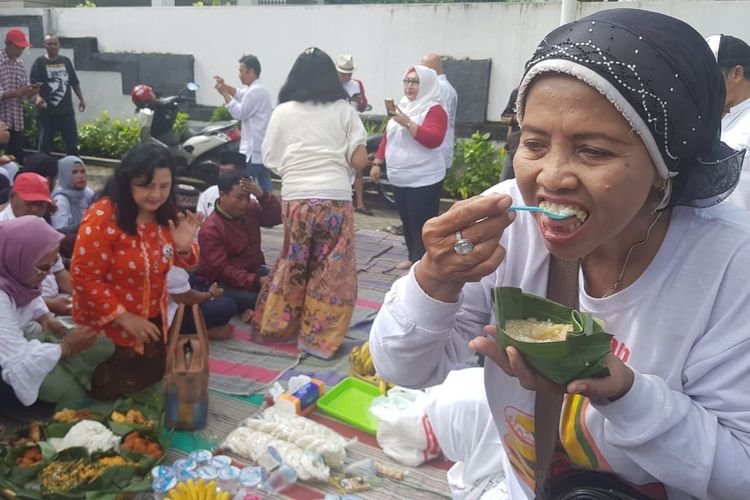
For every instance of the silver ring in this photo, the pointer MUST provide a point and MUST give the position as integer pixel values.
(463, 246)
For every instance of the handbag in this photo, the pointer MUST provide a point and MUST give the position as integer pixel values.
(562, 287)
(128, 371)
(187, 374)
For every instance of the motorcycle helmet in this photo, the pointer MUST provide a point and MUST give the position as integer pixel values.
(142, 95)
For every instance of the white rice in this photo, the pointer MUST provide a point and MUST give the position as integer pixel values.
(87, 433)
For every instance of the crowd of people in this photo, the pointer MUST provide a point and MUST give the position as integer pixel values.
(605, 129)
(117, 263)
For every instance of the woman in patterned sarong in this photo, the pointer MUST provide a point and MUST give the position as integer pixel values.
(315, 141)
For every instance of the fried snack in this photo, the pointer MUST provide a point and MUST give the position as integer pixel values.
(132, 416)
(35, 431)
(134, 442)
(106, 462)
(69, 415)
(32, 456)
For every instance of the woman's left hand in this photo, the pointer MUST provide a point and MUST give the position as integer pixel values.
(185, 230)
(510, 360)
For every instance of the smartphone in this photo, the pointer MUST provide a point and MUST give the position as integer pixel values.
(390, 107)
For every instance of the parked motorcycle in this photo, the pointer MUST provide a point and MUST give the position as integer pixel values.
(197, 153)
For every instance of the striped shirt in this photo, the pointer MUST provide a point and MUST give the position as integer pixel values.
(12, 76)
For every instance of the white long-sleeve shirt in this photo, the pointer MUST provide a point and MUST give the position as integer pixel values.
(449, 101)
(252, 106)
(683, 327)
(25, 363)
(311, 146)
(735, 132)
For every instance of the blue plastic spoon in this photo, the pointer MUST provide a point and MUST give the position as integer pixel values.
(551, 215)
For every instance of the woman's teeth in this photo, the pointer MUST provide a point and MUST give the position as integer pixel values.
(565, 210)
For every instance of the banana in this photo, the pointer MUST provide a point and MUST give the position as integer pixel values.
(368, 368)
(174, 495)
(200, 490)
(224, 495)
(182, 488)
(192, 489)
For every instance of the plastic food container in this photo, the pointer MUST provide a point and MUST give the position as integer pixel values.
(349, 401)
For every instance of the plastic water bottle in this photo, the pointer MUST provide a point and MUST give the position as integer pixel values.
(279, 479)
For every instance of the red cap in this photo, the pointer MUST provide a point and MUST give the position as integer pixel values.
(17, 38)
(32, 187)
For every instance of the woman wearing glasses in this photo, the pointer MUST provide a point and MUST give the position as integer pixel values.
(314, 141)
(411, 149)
(50, 368)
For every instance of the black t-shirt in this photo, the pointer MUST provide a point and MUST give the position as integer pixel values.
(57, 78)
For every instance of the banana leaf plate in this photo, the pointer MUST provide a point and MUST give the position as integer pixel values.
(580, 355)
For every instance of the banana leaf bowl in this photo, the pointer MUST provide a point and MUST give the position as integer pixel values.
(580, 355)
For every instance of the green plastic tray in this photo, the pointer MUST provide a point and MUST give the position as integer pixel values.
(349, 401)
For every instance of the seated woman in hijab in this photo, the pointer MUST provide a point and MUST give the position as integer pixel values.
(56, 366)
(72, 197)
(620, 117)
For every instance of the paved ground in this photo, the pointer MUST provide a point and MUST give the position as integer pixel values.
(383, 216)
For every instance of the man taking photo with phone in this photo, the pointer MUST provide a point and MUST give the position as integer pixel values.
(14, 86)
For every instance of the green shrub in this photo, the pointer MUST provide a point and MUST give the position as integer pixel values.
(375, 128)
(31, 128)
(477, 165)
(221, 114)
(180, 126)
(104, 137)
(108, 138)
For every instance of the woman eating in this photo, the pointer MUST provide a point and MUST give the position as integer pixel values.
(620, 117)
(411, 151)
(37, 368)
(128, 240)
(314, 140)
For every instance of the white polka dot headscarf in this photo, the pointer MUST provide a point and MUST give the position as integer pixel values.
(660, 74)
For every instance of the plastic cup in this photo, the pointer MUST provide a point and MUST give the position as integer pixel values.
(162, 471)
(162, 486)
(221, 461)
(185, 464)
(201, 456)
(279, 479)
(207, 473)
(251, 476)
(228, 479)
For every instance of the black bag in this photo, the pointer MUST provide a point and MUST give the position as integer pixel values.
(562, 287)
(591, 485)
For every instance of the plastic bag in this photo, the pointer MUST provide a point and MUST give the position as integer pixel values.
(404, 431)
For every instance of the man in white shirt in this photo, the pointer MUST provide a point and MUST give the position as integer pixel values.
(733, 56)
(30, 196)
(252, 106)
(229, 161)
(449, 101)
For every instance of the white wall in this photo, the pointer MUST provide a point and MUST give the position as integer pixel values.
(384, 39)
